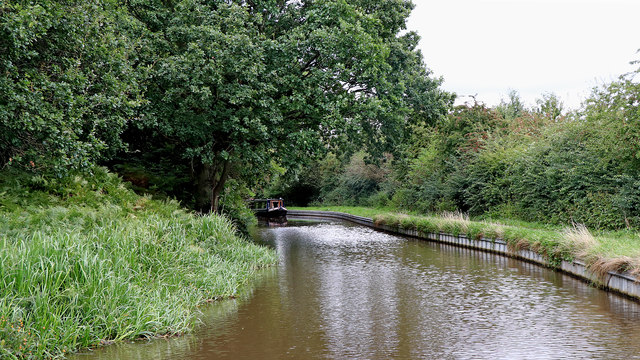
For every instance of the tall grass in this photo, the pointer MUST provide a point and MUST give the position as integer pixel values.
(102, 264)
(579, 240)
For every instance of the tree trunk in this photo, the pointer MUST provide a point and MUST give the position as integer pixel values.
(210, 180)
(218, 185)
(203, 187)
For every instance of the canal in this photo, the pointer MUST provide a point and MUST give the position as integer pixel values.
(342, 291)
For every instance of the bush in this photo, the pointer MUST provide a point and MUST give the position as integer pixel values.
(234, 206)
(379, 199)
(511, 162)
(357, 183)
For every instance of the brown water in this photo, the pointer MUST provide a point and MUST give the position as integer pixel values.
(348, 292)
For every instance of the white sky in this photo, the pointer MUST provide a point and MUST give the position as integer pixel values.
(488, 47)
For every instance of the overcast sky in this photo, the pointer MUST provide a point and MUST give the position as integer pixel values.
(488, 47)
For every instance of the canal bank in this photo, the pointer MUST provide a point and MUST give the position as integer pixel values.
(622, 283)
(346, 291)
(104, 265)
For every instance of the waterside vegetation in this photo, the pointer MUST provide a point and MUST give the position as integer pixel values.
(601, 251)
(213, 102)
(508, 161)
(93, 263)
(201, 101)
(562, 183)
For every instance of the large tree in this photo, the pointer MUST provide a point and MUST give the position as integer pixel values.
(67, 85)
(239, 85)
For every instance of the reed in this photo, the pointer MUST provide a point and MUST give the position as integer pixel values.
(78, 273)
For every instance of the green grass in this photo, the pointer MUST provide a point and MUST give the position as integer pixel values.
(99, 264)
(602, 251)
(353, 210)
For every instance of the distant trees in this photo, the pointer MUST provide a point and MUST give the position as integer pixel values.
(549, 106)
(535, 164)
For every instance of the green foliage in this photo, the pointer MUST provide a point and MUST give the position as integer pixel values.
(206, 90)
(153, 165)
(301, 186)
(512, 109)
(357, 182)
(380, 199)
(531, 165)
(427, 226)
(240, 86)
(536, 166)
(432, 175)
(67, 84)
(102, 264)
(550, 106)
(234, 207)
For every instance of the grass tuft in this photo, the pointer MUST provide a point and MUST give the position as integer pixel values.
(99, 264)
(602, 266)
(579, 240)
(601, 252)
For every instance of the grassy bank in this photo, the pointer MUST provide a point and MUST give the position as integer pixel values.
(601, 251)
(97, 264)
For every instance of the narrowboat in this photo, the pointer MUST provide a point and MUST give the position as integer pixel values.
(268, 208)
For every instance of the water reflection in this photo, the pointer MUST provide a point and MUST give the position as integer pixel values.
(349, 292)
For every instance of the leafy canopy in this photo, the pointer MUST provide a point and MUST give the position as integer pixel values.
(67, 84)
(239, 85)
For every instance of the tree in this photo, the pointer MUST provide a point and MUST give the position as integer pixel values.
(613, 112)
(550, 106)
(239, 85)
(512, 109)
(67, 87)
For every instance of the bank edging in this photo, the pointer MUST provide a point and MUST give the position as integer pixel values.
(621, 283)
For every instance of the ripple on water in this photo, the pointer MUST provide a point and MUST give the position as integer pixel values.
(344, 291)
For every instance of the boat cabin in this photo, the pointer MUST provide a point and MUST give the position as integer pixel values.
(270, 208)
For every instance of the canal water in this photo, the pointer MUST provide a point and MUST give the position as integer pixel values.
(348, 292)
